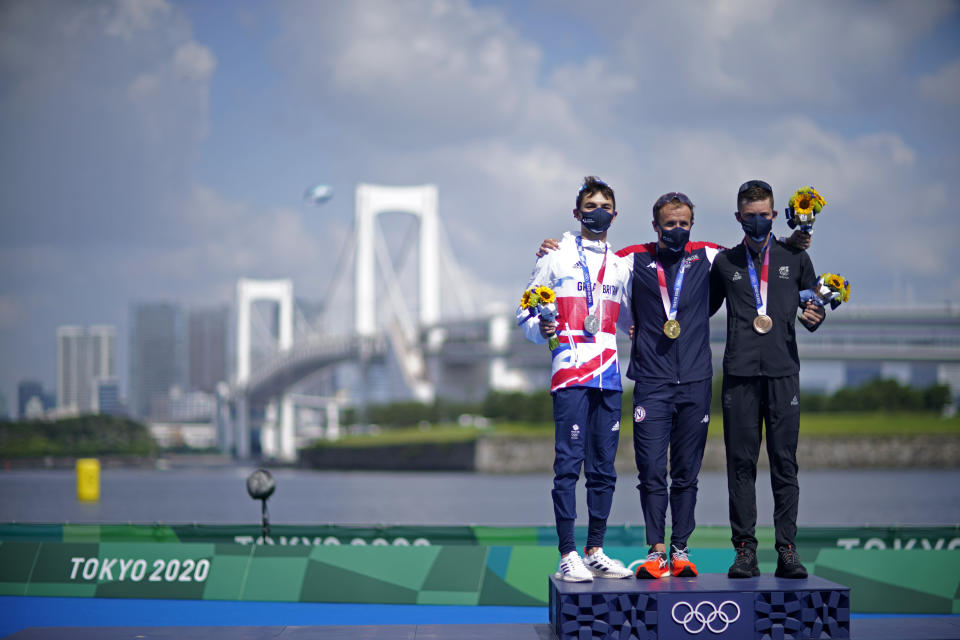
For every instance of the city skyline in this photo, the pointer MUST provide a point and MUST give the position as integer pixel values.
(159, 150)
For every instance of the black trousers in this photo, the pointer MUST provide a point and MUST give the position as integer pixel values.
(748, 404)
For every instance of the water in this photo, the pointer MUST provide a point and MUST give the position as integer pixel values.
(218, 496)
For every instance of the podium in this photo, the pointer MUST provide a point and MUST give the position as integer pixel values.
(708, 606)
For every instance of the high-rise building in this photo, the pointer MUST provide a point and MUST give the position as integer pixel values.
(207, 348)
(103, 346)
(107, 397)
(83, 356)
(26, 391)
(157, 357)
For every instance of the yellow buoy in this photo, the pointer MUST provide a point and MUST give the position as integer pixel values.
(88, 479)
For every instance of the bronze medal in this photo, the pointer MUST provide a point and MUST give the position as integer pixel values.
(671, 329)
(762, 324)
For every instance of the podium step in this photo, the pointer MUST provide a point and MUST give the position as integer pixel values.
(711, 605)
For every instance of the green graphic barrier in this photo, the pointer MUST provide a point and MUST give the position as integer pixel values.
(808, 538)
(889, 570)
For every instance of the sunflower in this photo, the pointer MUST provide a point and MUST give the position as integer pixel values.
(546, 294)
(803, 202)
(807, 200)
(834, 281)
(525, 299)
(837, 283)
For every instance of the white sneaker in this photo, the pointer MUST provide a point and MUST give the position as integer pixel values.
(572, 569)
(601, 566)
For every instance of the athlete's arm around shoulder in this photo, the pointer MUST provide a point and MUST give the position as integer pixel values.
(709, 249)
(718, 290)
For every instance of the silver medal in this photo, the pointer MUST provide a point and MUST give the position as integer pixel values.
(591, 325)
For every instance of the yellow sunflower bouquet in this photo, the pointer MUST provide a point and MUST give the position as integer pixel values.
(803, 208)
(541, 302)
(830, 287)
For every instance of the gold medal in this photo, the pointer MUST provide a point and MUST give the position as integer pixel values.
(671, 329)
(762, 324)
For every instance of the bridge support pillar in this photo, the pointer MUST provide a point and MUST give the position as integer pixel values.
(225, 435)
(501, 377)
(333, 421)
(287, 423)
(243, 428)
(268, 432)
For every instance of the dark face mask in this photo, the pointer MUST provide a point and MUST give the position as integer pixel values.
(597, 220)
(757, 228)
(675, 239)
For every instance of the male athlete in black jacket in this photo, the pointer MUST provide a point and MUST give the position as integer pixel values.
(761, 280)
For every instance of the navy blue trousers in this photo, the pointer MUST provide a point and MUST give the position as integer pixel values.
(675, 417)
(587, 425)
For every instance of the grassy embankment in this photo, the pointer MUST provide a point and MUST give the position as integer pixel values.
(821, 425)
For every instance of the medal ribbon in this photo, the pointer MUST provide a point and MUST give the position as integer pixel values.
(587, 283)
(759, 291)
(670, 306)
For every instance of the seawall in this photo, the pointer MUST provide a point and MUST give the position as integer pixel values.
(513, 454)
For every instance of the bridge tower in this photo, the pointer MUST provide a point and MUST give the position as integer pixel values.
(419, 201)
(372, 200)
(249, 292)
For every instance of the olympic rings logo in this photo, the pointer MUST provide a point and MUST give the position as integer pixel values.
(695, 616)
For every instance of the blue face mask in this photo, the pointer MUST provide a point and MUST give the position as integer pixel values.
(757, 228)
(596, 220)
(675, 239)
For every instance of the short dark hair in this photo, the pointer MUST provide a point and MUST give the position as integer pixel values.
(675, 198)
(592, 185)
(754, 191)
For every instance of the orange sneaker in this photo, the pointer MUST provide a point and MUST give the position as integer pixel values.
(680, 565)
(654, 567)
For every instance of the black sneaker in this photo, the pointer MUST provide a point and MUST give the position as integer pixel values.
(788, 563)
(745, 564)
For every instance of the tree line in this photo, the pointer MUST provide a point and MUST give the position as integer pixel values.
(88, 435)
(537, 407)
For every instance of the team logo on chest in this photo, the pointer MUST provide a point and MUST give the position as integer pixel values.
(784, 272)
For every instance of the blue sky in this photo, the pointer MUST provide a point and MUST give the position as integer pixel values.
(157, 150)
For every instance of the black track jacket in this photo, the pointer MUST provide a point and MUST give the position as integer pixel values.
(748, 353)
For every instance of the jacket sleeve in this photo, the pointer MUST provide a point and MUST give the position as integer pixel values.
(543, 273)
(625, 319)
(808, 280)
(717, 290)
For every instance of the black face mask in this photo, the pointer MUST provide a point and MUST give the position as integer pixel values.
(675, 239)
(757, 228)
(596, 220)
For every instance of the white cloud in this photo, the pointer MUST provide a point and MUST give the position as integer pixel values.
(414, 72)
(760, 56)
(100, 131)
(131, 17)
(943, 85)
